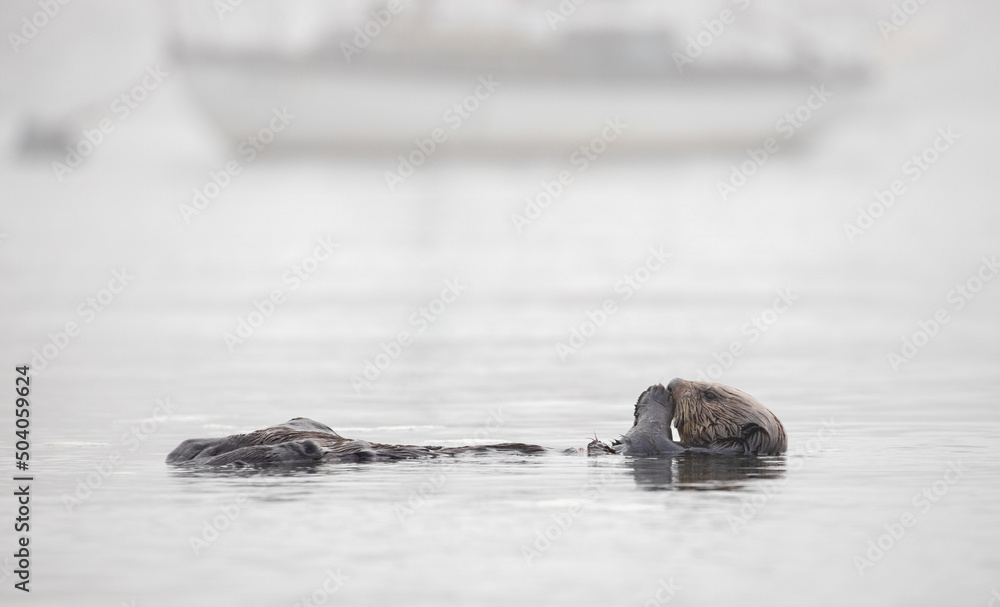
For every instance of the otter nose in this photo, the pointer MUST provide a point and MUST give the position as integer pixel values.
(675, 384)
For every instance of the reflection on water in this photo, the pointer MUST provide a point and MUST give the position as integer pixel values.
(705, 472)
(691, 471)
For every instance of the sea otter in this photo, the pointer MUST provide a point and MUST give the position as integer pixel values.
(709, 417)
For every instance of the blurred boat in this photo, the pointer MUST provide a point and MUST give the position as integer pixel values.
(553, 90)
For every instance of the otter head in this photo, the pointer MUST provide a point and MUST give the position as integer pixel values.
(712, 415)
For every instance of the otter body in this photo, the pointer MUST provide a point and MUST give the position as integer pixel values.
(302, 441)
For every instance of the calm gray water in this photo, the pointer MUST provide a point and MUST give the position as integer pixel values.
(871, 448)
(865, 440)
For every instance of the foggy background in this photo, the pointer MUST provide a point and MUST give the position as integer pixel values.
(237, 143)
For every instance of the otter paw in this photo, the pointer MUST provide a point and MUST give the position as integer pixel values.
(596, 447)
(657, 393)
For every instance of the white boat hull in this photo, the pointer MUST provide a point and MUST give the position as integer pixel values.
(340, 108)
